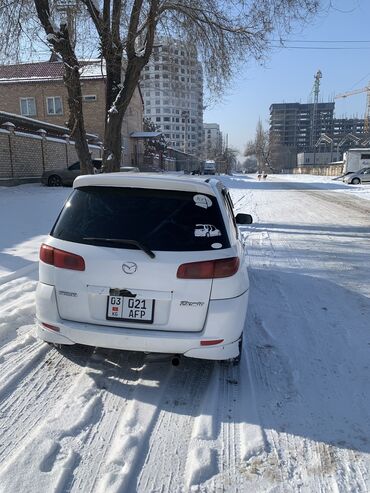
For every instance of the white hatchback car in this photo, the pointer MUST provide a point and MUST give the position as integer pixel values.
(123, 268)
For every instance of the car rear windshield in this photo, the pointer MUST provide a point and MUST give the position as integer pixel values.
(163, 220)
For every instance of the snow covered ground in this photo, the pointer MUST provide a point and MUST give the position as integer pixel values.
(329, 183)
(293, 417)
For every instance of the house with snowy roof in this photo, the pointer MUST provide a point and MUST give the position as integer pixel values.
(36, 90)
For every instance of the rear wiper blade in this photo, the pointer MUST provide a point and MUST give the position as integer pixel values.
(123, 242)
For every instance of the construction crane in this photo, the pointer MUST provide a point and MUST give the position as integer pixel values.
(367, 111)
(316, 91)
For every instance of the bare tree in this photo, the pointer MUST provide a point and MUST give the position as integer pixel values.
(228, 158)
(250, 164)
(224, 34)
(260, 147)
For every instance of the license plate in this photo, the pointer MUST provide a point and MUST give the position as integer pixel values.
(130, 309)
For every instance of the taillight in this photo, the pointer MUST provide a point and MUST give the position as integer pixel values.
(51, 327)
(211, 342)
(226, 267)
(196, 270)
(47, 254)
(209, 269)
(60, 258)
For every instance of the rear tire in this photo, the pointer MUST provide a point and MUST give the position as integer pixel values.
(54, 181)
(236, 361)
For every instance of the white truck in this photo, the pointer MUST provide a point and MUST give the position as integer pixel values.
(209, 167)
(355, 159)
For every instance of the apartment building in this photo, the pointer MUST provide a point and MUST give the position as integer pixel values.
(172, 85)
(212, 140)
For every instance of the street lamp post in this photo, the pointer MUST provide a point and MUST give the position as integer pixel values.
(185, 117)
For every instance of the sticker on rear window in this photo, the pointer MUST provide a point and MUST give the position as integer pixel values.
(206, 230)
(216, 245)
(202, 201)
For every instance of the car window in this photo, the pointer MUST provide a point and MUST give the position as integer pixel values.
(74, 167)
(230, 211)
(163, 220)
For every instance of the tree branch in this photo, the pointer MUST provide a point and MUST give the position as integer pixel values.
(132, 29)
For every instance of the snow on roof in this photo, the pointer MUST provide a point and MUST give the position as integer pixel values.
(359, 149)
(32, 70)
(94, 69)
(145, 135)
(39, 71)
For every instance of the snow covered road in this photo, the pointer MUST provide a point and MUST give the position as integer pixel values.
(293, 417)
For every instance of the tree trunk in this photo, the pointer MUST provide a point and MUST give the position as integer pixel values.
(113, 136)
(76, 121)
(61, 42)
(112, 152)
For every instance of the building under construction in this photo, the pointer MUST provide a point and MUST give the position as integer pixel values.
(292, 131)
(291, 124)
(311, 129)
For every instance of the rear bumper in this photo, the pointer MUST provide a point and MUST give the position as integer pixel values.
(225, 320)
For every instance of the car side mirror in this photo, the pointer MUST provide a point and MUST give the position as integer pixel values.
(243, 218)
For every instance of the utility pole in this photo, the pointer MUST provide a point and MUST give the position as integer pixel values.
(185, 116)
(316, 91)
(227, 153)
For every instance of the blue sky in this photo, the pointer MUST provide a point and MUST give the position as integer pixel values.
(288, 74)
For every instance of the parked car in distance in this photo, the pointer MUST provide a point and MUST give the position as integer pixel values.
(361, 176)
(66, 176)
(129, 169)
(123, 268)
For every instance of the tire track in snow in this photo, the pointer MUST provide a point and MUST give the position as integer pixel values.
(227, 432)
(117, 385)
(20, 368)
(326, 467)
(35, 390)
(17, 307)
(130, 442)
(18, 274)
(64, 415)
(181, 402)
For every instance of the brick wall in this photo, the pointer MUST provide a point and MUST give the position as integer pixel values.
(25, 156)
(5, 166)
(26, 153)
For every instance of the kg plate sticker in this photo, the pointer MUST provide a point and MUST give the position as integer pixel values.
(202, 201)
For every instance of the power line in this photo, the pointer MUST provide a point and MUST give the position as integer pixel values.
(320, 41)
(321, 47)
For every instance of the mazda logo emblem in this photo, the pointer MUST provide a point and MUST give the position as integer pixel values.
(129, 267)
